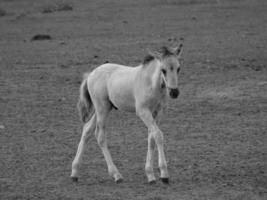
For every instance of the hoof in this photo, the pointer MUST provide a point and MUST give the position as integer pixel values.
(120, 180)
(165, 180)
(74, 179)
(152, 182)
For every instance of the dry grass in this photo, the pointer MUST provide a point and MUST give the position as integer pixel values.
(2, 12)
(215, 131)
(57, 7)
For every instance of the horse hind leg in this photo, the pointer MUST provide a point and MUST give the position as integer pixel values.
(88, 128)
(102, 142)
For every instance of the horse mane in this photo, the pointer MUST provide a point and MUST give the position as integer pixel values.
(162, 52)
(147, 59)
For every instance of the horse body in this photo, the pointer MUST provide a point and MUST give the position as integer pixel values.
(142, 89)
(124, 85)
(120, 88)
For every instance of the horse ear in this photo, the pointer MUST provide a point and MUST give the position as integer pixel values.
(178, 50)
(165, 51)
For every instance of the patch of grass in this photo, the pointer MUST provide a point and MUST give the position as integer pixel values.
(2, 12)
(186, 2)
(57, 7)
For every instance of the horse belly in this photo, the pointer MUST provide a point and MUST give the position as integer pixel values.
(121, 93)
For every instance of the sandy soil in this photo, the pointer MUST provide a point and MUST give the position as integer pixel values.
(215, 132)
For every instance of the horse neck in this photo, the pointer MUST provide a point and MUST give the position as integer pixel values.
(155, 71)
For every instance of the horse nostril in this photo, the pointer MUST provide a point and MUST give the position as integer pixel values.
(174, 93)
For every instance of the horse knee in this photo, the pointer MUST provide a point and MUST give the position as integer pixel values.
(158, 136)
(101, 139)
(152, 143)
(87, 133)
(100, 134)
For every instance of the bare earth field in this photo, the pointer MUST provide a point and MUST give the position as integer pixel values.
(216, 132)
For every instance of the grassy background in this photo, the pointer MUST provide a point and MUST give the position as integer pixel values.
(215, 132)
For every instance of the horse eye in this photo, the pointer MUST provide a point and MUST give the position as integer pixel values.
(164, 72)
(178, 70)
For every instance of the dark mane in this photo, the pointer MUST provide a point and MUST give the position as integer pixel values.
(165, 51)
(162, 52)
(148, 58)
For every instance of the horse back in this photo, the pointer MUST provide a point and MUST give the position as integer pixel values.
(115, 83)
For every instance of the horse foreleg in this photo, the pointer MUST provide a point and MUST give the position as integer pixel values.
(150, 159)
(88, 128)
(164, 175)
(157, 135)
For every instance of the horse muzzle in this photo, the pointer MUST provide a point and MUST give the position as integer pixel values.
(174, 92)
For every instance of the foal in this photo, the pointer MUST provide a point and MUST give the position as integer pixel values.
(142, 89)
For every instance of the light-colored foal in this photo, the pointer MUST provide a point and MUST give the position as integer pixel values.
(142, 89)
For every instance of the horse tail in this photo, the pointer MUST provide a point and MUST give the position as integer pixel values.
(85, 105)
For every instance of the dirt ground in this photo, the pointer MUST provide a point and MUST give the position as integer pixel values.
(216, 139)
